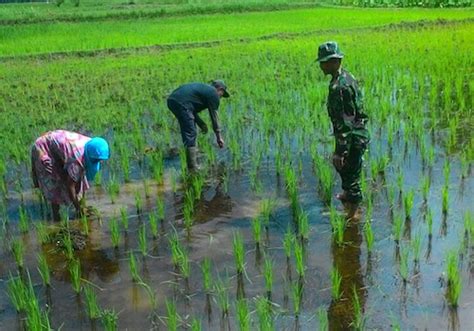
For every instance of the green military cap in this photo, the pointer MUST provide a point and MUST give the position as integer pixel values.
(329, 50)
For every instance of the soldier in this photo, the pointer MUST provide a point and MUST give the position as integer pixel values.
(186, 102)
(346, 111)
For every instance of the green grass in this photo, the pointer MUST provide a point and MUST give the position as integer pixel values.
(80, 36)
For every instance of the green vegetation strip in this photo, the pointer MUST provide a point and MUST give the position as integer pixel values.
(180, 46)
(106, 10)
(69, 92)
(88, 36)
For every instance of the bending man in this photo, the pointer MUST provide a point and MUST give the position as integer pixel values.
(186, 102)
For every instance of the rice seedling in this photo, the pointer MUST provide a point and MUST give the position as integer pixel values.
(43, 269)
(153, 220)
(446, 172)
(326, 179)
(288, 242)
(403, 263)
(114, 232)
(158, 166)
(408, 201)
(257, 231)
(239, 252)
(454, 279)
(68, 245)
(359, 320)
(188, 211)
(397, 228)
(299, 259)
(176, 250)
(425, 187)
(184, 265)
(113, 188)
(416, 247)
(323, 319)
(429, 222)
(173, 317)
(297, 294)
(42, 233)
(142, 240)
(196, 325)
(109, 319)
(468, 225)
(336, 281)
(266, 209)
(124, 161)
(243, 315)
(206, 275)
(85, 224)
(339, 229)
(36, 320)
(222, 294)
(75, 274)
(197, 183)
(146, 188)
(17, 292)
(132, 264)
(150, 292)
(138, 202)
(303, 225)
(264, 313)
(18, 250)
(445, 199)
(23, 222)
(124, 218)
(268, 275)
(369, 235)
(160, 209)
(92, 305)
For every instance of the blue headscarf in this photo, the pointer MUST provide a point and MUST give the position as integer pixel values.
(95, 150)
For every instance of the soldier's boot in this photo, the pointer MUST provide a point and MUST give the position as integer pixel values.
(191, 159)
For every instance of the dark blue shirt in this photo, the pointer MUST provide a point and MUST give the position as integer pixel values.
(197, 97)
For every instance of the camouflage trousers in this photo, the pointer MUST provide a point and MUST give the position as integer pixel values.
(350, 173)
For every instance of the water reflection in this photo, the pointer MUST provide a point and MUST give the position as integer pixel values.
(94, 262)
(346, 259)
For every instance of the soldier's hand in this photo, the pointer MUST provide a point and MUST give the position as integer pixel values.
(338, 161)
(220, 141)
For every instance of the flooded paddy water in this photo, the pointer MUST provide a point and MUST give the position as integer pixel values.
(229, 207)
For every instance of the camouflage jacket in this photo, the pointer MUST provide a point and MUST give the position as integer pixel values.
(346, 110)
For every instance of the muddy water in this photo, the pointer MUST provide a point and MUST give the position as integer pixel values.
(385, 299)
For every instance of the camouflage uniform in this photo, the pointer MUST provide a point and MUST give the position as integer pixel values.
(346, 111)
(345, 108)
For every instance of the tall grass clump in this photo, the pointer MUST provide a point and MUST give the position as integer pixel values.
(75, 274)
(92, 305)
(206, 275)
(43, 270)
(336, 281)
(454, 279)
(114, 232)
(239, 252)
(243, 315)
(109, 319)
(18, 250)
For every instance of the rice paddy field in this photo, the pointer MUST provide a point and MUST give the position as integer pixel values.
(256, 240)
